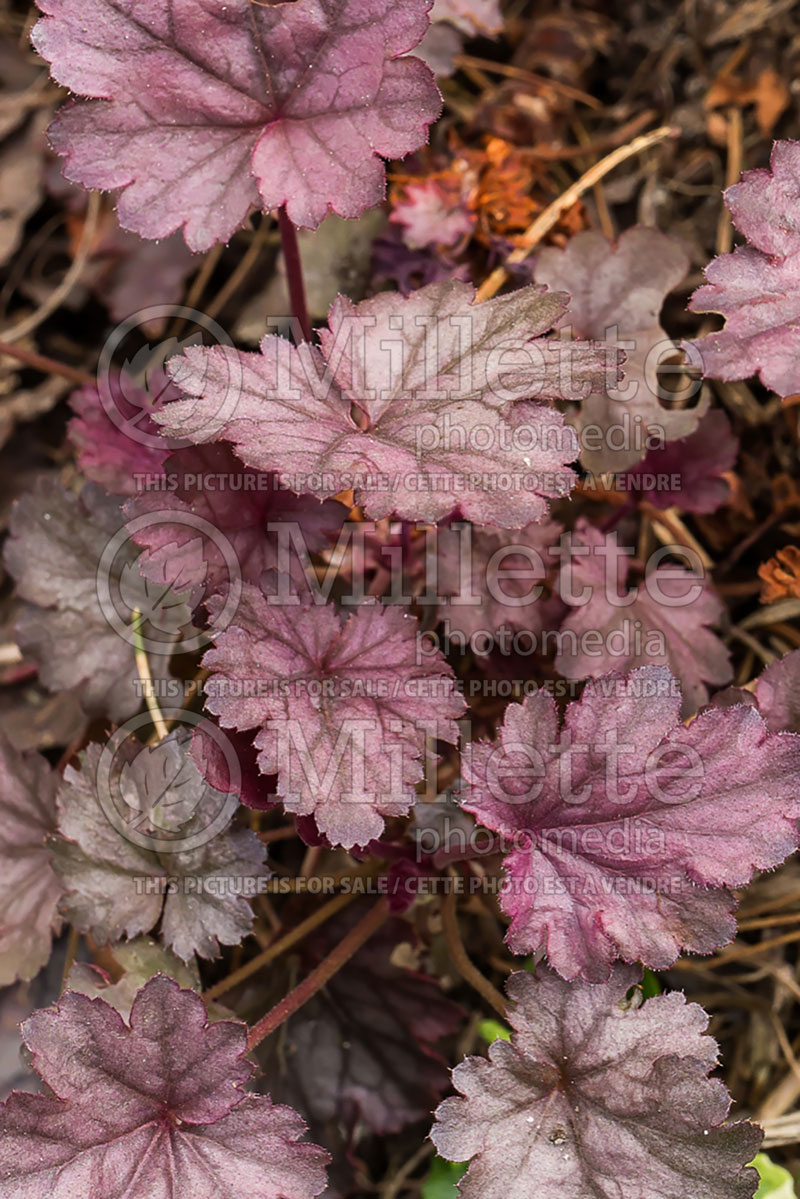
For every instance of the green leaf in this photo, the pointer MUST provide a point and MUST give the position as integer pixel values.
(776, 1183)
(442, 1180)
(650, 984)
(494, 1030)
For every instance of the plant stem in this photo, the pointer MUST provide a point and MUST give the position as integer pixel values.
(468, 971)
(73, 945)
(280, 946)
(294, 272)
(321, 974)
(145, 675)
(47, 366)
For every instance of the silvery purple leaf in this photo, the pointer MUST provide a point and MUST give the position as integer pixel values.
(151, 1109)
(625, 829)
(616, 293)
(342, 710)
(173, 867)
(489, 579)
(54, 553)
(596, 1097)
(215, 109)
(757, 287)
(29, 889)
(419, 404)
(663, 621)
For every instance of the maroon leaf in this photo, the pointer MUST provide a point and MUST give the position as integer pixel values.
(596, 1097)
(212, 111)
(253, 788)
(410, 402)
(221, 512)
(363, 1050)
(628, 828)
(616, 293)
(343, 710)
(689, 473)
(663, 621)
(151, 1110)
(757, 287)
(114, 436)
(491, 580)
(776, 694)
(29, 890)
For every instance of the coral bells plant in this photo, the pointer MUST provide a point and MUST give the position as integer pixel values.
(397, 663)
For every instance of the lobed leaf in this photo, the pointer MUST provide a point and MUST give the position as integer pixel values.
(363, 1051)
(662, 622)
(29, 889)
(209, 528)
(626, 828)
(596, 1098)
(757, 287)
(200, 112)
(616, 293)
(122, 886)
(343, 711)
(411, 402)
(54, 553)
(151, 1109)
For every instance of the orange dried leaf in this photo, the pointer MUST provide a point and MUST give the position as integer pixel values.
(781, 576)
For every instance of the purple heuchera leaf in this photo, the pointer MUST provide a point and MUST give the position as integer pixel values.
(254, 789)
(408, 270)
(628, 828)
(689, 473)
(342, 710)
(431, 215)
(211, 111)
(363, 1050)
(473, 16)
(221, 512)
(112, 451)
(776, 694)
(489, 579)
(103, 871)
(54, 553)
(616, 291)
(29, 889)
(596, 1098)
(152, 1109)
(664, 622)
(757, 287)
(451, 22)
(410, 402)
